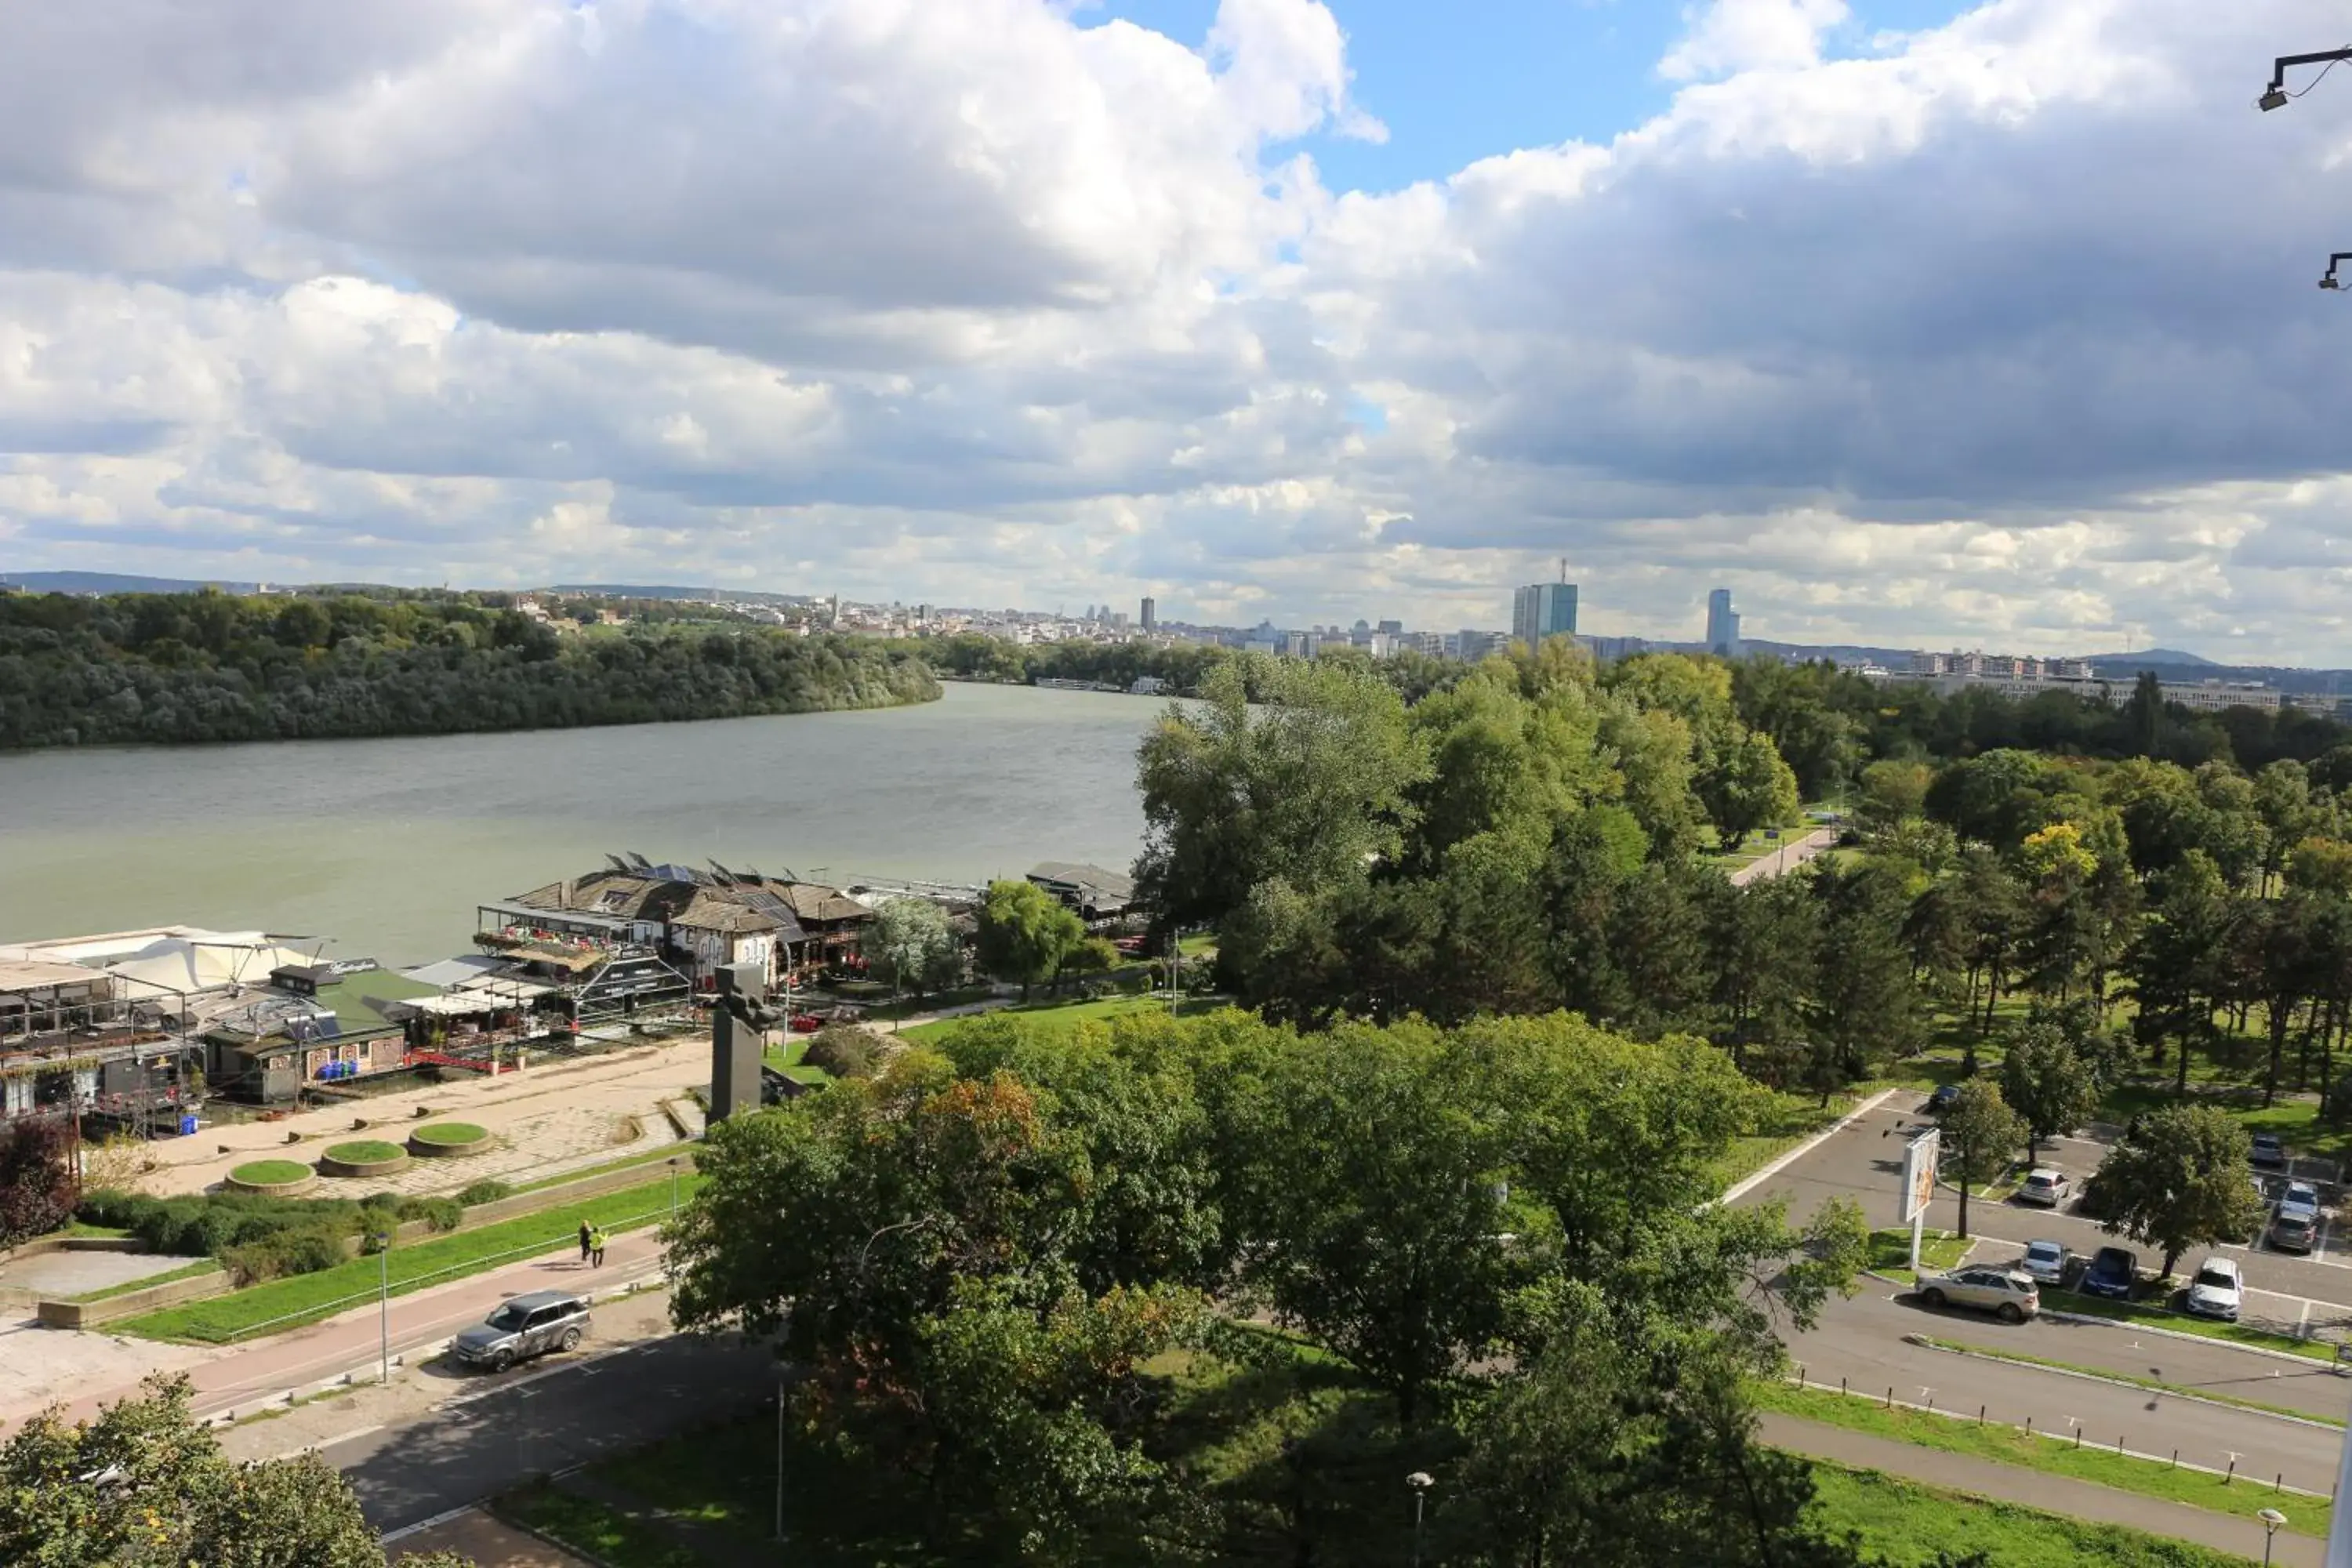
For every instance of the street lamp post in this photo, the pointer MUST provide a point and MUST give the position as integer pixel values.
(383, 1305)
(2272, 1519)
(2327, 279)
(1420, 1481)
(2277, 95)
(673, 1189)
(780, 1461)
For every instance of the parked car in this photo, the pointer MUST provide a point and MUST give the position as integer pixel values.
(1941, 1100)
(526, 1326)
(2009, 1295)
(2113, 1272)
(2268, 1152)
(2045, 1261)
(2218, 1289)
(2294, 1225)
(2045, 1187)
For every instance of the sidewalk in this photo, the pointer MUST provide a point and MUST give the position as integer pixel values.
(2037, 1489)
(351, 1341)
(1788, 858)
(631, 1082)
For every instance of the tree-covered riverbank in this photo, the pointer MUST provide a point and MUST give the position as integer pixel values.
(154, 668)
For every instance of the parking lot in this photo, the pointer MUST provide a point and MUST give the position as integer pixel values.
(1889, 1342)
(2284, 1291)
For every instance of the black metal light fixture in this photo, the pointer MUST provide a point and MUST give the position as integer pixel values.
(2328, 280)
(2276, 97)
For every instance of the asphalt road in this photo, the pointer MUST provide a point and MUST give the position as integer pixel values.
(1861, 1341)
(527, 1425)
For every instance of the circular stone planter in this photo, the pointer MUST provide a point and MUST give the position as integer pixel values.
(272, 1178)
(448, 1140)
(364, 1157)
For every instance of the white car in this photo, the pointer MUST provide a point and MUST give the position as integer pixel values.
(2217, 1291)
(2045, 1187)
(2045, 1262)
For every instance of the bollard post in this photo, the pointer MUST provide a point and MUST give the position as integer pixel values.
(2280, 1484)
(2078, 1436)
(2175, 1458)
(2234, 1471)
(1980, 1415)
(1841, 1385)
(2028, 1426)
(2119, 1445)
(1890, 1396)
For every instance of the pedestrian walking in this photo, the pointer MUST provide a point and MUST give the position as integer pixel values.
(596, 1240)
(587, 1238)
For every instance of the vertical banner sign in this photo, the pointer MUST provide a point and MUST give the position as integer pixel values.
(1919, 1172)
(1919, 1157)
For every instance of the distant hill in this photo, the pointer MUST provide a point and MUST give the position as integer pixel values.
(115, 583)
(633, 591)
(2154, 656)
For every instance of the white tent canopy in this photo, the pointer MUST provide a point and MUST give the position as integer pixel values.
(179, 965)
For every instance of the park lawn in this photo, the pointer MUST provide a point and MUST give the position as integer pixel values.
(2153, 1385)
(1909, 1523)
(1065, 1015)
(2155, 1317)
(124, 1287)
(1200, 944)
(1793, 1119)
(305, 1298)
(1939, 1250)
(600, 1534)
(365, 1151)
(2054, 1456)
(786, 1058)
(908, 1006)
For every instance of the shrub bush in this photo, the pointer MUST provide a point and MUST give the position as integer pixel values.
(845, 1050)
(442, 1214)
(489, 1189)
(303, 1249)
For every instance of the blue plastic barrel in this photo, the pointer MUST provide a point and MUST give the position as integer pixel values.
(188, 1125)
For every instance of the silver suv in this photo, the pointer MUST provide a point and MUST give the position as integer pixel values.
(526, 1326)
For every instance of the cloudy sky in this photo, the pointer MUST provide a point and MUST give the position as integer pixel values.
(1911, 322)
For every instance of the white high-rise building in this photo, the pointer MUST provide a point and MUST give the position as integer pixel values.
(1722, 625)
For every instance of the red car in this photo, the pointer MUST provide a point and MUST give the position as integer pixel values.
(807, 1023)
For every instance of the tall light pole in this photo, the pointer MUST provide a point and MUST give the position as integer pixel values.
(673, 1189)
(2272, 1519)
(780, 1459)
(1420, 1481)
(2277, 95)
(2327, 279)
(383, 1305)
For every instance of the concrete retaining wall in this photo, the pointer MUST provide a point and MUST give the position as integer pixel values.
(131, 1303)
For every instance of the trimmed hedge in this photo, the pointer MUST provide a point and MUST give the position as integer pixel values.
(445, 1138)
(365, 1151)
(257, 1236)
(271, 1173)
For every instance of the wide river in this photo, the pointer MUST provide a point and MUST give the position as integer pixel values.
(385, 847)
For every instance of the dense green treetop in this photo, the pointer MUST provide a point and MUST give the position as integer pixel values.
(215, 667)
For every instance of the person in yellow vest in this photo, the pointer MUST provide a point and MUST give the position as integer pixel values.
(596, 1240)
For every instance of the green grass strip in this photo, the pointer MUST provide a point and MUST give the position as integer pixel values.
(2152, 1385)
(288, 1303)
(2037, 1451)
(447, 1135)
(603, 1534)
(2181, 1323)
(124, 1287)
(1908, 1522)
(682, 1150)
